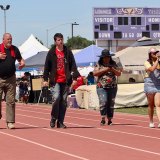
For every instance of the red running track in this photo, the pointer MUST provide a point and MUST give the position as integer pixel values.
(128, 138)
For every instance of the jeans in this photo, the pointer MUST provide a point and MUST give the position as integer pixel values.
(107, 101)
(59, 94)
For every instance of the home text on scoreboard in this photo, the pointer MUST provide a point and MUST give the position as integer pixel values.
(126, 23)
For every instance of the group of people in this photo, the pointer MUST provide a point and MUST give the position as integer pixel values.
(60, 73)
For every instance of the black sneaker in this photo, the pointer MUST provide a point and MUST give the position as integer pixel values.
(109, 122)
(61, 125)
(52, 123)
(103, 122)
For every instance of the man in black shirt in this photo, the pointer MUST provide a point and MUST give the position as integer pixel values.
(8, 55)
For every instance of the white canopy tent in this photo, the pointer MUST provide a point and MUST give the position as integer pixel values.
(128, 95)
(31, 47)
(84, 71)
(133, 58)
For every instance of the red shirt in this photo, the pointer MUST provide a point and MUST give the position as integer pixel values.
(80, 82)
(60, 75)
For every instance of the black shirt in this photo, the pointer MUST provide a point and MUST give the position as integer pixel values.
(7, 66)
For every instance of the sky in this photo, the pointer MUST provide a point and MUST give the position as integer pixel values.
(26, 17)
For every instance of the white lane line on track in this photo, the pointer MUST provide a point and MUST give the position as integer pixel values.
(91, 120)
(71, 110)
(87, 112)
(81, 110)
(96, 115)
(133, 134)
(111, 130)
(129, 133)
(126, 119)
(74, 111)
(44, 146)
(88, 138)
(80, 117)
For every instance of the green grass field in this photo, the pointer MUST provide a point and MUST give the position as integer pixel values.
(134, 110)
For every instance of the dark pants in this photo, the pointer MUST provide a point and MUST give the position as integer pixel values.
(59, 101)
(8, 87)
(107, 101)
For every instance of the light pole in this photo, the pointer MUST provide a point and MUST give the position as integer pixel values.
(47, 30)
(72, 24)
(47, 36)
(4, 9)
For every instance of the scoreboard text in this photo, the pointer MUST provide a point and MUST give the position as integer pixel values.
(126, 23)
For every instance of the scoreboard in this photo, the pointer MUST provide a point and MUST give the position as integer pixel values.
(126, 23)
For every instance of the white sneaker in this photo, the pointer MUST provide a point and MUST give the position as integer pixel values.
(159, 125)
(10, 125)
(151, 125)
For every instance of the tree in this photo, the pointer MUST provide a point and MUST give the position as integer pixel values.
(78, 43)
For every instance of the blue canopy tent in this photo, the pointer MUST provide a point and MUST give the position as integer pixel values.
(37, 60)
(33, 64)
(88, 56)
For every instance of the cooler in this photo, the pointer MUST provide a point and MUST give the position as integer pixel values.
(71, 101)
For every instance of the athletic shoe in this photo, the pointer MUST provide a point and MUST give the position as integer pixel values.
(10, 125)
(151, 125)
(109, 122)
(61, 125)
(103, 122)
(52, 123)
